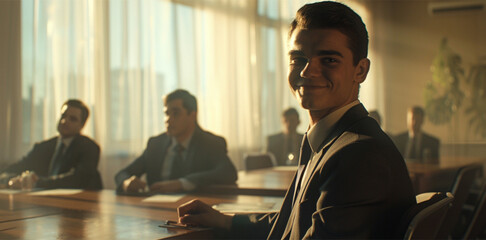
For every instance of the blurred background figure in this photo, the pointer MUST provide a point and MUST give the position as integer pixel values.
(375, 115)
(182, 158)
(69, 160)
(416, 145)
(285, 146)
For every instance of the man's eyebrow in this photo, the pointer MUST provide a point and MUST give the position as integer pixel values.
(295, 52)
(329, 52)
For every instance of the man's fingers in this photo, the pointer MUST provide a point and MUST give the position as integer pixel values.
(192, 207)
(134, 184)
(141, 184)
(195, 220)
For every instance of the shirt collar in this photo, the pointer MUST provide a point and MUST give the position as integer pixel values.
(65, 141)
(321, 130)
(412, 135)
(184, 143)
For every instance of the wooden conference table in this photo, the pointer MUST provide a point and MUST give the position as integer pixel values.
(276, 180)
(105, 215)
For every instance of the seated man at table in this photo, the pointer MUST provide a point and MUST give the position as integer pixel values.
(285, 145)
(182, 158)
(351, 181)
(414, 144)
(69, 160)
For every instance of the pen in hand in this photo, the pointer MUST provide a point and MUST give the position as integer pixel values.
(174, 224)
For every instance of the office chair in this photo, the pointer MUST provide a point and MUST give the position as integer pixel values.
(478, 220)
(423, 220)
(462, 185)
(254, 161)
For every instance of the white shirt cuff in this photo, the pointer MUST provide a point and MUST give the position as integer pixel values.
(187, 185)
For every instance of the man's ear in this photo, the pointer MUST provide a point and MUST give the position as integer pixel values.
(361, 70)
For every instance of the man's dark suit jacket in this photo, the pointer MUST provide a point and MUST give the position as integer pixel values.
(276, 146)
(78, 165)
(359, 188)
(207, 161)
(428, 144)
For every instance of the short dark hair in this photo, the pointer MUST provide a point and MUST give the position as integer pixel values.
(290, 111)
(338, 16)
(417, 110)
(189, 102)
(78, 104)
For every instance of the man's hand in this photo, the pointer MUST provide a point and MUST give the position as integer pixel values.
(27, 180)
(15, 182)
(134, 184)
(167, 186)
(198, 213)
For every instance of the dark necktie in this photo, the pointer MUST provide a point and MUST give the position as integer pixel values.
(177, 169)
(290, 148)
(56, 162)
(305, 154)
(412, 152)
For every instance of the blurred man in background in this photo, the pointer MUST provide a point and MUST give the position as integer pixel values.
(285, 146)
(414, 144)
(69, 160)
(181, 159)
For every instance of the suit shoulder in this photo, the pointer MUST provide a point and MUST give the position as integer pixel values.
(52, 140)
(88, 141)
(209, 136)
(160, 137)
(45, 144)
(275, 136)
(431, 138)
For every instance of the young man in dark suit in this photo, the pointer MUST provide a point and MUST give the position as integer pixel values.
(352, 182)
(181, 159)
(414, 144)
(285, 146)
(69, 160)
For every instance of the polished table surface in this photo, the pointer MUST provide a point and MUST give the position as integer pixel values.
(101, 215)
(272, 181)
(105, 215)
(439, 177)
(275, 181)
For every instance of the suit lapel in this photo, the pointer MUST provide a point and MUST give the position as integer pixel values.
(344, 123)
(66, 158)
(160, 152)
(284, 214)
(193, 148)
(327, 149)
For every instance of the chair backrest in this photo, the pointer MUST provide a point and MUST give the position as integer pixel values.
(254, 161)
(422, 220)
(478, 220)
(462, 185)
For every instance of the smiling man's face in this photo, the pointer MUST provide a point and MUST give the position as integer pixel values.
(322, 75)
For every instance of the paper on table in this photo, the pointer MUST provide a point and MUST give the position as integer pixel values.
(247, 207)
(57, 192)
(164, 198)
(285, 168)
(10, 191)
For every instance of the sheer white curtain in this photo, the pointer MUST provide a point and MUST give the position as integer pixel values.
(121, 57)
(62, 58)
(230, 54)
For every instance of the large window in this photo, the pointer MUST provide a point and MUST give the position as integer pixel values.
(121, 57)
